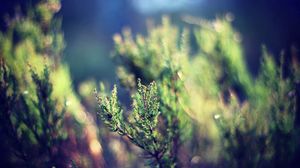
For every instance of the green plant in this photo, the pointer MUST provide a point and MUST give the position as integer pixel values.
(264, 132)
(31, 126)
(35, 88)
(141, 127)
(209, 99)
(142, 60)
(256, 116)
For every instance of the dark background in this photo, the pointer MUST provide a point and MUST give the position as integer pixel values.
(89, 26)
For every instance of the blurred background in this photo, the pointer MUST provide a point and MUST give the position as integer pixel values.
(89, 26)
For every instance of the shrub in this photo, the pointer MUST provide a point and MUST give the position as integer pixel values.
(35, 89)
(249, 121)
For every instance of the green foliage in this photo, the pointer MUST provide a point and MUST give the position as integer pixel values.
(31, 126)
(202, 104)
(141, 127)
(34, 95)
(159, 57)
(150, 58)
(264, 133)
(257, 119)
(208, 97)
